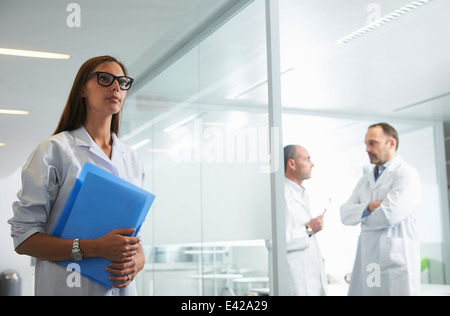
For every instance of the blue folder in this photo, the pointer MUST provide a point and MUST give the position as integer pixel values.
(99, 203)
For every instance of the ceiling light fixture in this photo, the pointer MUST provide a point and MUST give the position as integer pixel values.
(384, 20)
(30, 53)
(2, 144)
(13, 112)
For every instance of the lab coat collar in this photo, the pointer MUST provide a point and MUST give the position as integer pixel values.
(291, 184)
(391, 165)
(83, 139)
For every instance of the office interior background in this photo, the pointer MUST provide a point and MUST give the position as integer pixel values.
(221, 86)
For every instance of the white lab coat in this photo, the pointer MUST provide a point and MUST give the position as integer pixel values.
(306, 268)
(388, 255)
(47, 179)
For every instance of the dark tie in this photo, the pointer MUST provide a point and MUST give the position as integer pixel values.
(378, 172)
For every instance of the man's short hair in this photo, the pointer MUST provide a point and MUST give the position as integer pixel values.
(388, 131)
(290, 152)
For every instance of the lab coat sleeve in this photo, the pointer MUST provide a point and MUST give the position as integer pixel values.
(400, 203)
(352, 210)
(40, 187)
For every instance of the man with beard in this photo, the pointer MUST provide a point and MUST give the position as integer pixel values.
(385, 202)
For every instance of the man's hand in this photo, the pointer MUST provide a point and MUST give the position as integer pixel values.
(316, 224)
(374, 205)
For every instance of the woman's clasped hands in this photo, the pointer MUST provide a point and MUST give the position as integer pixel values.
(121, 250)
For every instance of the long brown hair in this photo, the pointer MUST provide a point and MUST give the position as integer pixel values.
(74, 114)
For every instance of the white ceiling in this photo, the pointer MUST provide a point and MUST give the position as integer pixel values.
(128, 30)
(403, 63)
(400, 70)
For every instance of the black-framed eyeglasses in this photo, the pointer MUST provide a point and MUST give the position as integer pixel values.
(106, 79)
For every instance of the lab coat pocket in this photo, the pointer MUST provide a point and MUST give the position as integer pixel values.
(392, 253)
(298, 244)
(393, 265)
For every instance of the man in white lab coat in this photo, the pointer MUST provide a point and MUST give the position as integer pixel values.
(306, 270)
(386, 203)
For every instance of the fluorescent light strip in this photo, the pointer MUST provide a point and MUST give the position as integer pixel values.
(13, 112)
(258, 84)
(141, 144)
(170, 129)
(215, 124)
(30, 53)
(157, 150)
(384, 20)
(2, 144)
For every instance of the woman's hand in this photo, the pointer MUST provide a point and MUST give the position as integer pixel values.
(117, 246)
(123, 273)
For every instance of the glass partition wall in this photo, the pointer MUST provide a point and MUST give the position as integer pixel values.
(202, 131)
(202, 128)
(354, 63)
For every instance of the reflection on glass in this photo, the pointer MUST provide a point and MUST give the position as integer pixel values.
(211, 269)
(203, 134)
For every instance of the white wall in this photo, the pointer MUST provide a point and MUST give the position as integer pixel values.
(9, 259)
(419, 149)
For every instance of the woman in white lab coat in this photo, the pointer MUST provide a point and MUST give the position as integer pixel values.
(388, 255)
(87, 132)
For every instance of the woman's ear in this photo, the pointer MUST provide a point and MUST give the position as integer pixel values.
(83, 92)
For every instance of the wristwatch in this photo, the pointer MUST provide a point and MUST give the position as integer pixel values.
(309, 231)
(77, 255)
